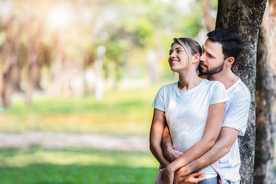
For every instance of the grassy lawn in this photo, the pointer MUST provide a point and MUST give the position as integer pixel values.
(120, 112)
(76, 165)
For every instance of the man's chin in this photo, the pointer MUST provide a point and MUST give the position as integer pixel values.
(202, 72)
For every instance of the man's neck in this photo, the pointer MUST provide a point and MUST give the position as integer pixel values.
(228, 78)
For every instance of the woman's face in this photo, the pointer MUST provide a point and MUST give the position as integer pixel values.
(178, 59)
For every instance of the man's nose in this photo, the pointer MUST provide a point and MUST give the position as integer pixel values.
(202, 57)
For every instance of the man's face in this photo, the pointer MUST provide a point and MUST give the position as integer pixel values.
(212, 58)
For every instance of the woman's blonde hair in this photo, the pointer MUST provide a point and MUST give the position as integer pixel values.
(190, 46)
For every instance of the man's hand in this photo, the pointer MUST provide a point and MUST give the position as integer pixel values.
(169, 153)
(167, 176)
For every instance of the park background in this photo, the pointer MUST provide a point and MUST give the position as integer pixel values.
(79, 77)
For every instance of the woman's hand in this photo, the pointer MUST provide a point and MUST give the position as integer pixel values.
(167, 175)
(194, 178)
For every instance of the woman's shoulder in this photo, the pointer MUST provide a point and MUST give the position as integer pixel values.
(169, 86)
(166, 89)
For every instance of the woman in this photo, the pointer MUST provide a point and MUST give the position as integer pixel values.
(193, 109)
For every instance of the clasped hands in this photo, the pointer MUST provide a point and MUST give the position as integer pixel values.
(169, 176)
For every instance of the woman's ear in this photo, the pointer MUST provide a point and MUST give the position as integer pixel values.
(196, 58)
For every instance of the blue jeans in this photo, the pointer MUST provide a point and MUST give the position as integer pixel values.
(209, 181)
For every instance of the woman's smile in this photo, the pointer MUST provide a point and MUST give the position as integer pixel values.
(175, 61)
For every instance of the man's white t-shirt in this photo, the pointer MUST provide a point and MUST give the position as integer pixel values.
(236, 115)
(186, 112)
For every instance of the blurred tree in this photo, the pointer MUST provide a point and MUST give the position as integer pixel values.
(10, 71)
(65, 36)
(209, 21)
(6, 88)
(16, 68)
(265, 97)
(34, 34)
(245, 18)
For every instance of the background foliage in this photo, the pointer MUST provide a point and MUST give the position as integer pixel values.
(81, 66)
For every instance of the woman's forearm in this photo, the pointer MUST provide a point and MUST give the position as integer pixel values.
(157, 152)
(167, 148)
(156, 131)
(191, 154)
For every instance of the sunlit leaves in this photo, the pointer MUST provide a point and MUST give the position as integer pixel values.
(122, 26)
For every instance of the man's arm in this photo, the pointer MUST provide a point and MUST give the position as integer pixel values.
(225, 141)
(171, 154)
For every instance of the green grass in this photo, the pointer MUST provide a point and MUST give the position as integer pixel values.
(120, 112)
(114, 102)
(76, 165)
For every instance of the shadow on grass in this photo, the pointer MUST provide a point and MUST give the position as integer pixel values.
(71, 174)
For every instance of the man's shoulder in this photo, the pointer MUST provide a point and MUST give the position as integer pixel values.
(238, 91)
(213, 84)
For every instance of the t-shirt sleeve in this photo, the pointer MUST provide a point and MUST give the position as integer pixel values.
(237, 115)
(159, 101)
(218, 94)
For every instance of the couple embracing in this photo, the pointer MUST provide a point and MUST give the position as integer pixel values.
(196, 121)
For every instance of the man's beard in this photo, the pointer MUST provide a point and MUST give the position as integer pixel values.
(212, 70)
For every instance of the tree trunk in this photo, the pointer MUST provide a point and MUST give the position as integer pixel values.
(9, 59)
(33, 59)
(33, 70)
(16, 77)
(16, 68)
(265, 86)
(245, 17)
(36, 72)
(55, 85)
(6, 84)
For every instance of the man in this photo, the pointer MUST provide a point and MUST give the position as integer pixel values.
(220, 50)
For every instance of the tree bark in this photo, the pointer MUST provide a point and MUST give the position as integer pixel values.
(245, 17)
(265, 97)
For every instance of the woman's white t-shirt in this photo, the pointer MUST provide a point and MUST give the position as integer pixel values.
(186, 112)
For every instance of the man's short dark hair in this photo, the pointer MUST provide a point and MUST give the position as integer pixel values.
(230, 40)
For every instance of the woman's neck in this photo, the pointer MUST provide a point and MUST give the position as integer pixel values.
(188, 80)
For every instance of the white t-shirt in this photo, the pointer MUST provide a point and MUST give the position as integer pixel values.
(186, 112)
(236, 115)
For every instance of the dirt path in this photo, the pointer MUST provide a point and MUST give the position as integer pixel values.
(61, 140)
